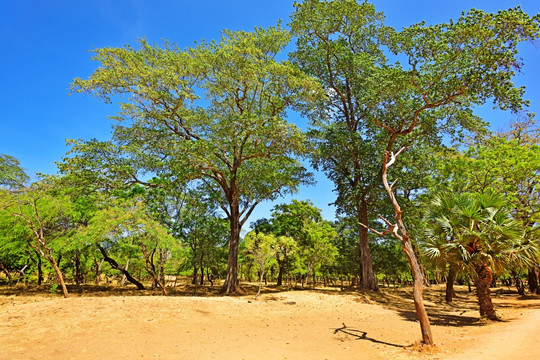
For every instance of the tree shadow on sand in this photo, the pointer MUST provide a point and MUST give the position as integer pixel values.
(362, 335)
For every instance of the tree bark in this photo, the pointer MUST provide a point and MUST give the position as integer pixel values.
(281, 266)
(519, 284)
(482, 282)
(78, 270)
(50, 257)
(368, 276)
(151, 269)
(231, 284)
(123, 281)
(98, 270)
(534, 272)
(450, 285)
(115, 265)
(400, 231)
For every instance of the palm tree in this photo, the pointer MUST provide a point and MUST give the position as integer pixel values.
(475, 232)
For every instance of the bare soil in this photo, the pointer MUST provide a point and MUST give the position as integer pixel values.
(123, 323)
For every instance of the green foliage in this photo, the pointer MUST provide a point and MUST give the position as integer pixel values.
(213, 112)
(11, 173)
(467, 230)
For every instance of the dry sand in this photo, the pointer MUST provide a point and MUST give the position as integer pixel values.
(278, 325)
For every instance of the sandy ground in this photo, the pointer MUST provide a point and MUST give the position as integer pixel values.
(279, 325)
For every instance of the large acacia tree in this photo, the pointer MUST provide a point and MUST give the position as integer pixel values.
(214, 113)
(450, 69)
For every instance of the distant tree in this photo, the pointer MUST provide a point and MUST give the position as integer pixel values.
(43, 220)
(292, 221)
(214, 113)
(127, 227)
(262, 249)
(12, 174)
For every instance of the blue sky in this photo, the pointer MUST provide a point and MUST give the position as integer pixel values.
(44, 46)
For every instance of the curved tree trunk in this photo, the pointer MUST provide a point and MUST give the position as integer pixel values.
(368, 276)
(418, 283)
(115, 265)
(482, 282)
(151, 269)
(400, 231)
(50, 257)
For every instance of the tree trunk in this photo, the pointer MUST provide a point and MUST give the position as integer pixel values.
(195, 274)
(450, 285)
(260, 284)
(482, 282)
(201, 281)
(368, 276)
(50, 257)
(231, 284)
(281, 267)
(115, 265)
(151, 269)
(519, 284)
(534, 272)
(418, 283)
(209, 277)
(38, 264)
(124, 278)
(98, 270)
(8, 274)
(78, 270)
(400, 231)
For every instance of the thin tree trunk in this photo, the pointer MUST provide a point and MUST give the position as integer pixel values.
(281, 266)
(124, 278)
(450, 285)
(115, 265)
(50, 257)
(231, 284)
(8, 274)
(519, 284)
(260, 284)
(98, 270)
(209, 277)
(151, 269)
(78, 270)
(368, 276)
(400, 231)
(482, 282)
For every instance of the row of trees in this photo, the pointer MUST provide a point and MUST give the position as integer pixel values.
(213, 118)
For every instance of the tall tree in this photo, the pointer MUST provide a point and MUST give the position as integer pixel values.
(214, 113)
(449, 68)
(337, 43)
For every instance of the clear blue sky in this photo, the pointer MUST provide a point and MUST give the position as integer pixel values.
(43, 46)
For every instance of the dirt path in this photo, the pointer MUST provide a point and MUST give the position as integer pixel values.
(517, 339)
(283, 325)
